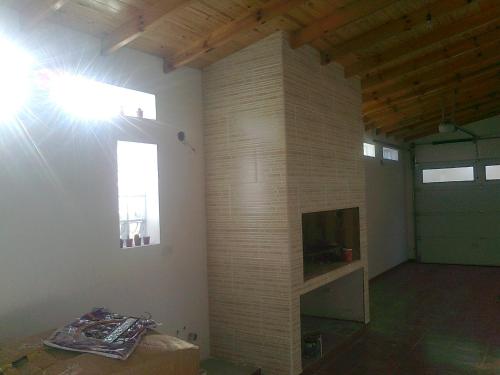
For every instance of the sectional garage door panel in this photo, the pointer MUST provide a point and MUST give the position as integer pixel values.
(480, 252)
(462, 199)
(458, 223)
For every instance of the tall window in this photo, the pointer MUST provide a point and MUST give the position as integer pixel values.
(369, 149)
(138, 193)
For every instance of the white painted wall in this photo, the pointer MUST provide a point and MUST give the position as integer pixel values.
(59, 248)
(389, 209)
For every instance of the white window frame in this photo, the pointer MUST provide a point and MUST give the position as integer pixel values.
(467, 167)
(372, 146)
(149, 224)
(489, 165)
(392, 151)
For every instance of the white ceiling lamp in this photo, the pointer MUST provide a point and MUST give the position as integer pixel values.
(448, 125)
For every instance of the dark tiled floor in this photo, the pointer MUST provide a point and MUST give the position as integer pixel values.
(427, 319)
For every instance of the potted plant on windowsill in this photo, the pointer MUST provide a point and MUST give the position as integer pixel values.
(146, 240)
(129, 242)
(137, 240)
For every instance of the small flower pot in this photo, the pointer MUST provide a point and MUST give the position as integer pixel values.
(347, 255)
(146, 240)
(137, 241)
(121, 243)
(129, 242)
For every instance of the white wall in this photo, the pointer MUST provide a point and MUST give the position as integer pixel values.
(59, 248)
(389, 209)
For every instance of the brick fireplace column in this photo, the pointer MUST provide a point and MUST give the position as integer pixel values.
(283, 136)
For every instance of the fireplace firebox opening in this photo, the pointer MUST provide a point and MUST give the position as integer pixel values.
(330, 239)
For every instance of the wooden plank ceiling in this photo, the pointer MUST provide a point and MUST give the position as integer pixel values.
(414, 57)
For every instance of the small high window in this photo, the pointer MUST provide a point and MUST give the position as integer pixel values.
(493, 172)
(369, 149)
(390, 153)
(448, 175)
(88, 99)
(138, 194)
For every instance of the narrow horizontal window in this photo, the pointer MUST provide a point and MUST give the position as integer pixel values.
(138, 194)
(369, 150)
(390, 154)
(448, 175)
(493, 172)
(85, 98)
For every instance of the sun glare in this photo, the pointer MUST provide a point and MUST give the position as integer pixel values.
(88, 99)
(83, 98)
(15, 79)
(75, 95)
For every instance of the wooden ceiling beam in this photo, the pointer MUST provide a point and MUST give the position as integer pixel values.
(461, 120)
(473, 61)
(433, 129)
(144, 20)
(489, 11)
(39, 10)
(414, 109)
(459, 82)
(338, 18)
(445, 55)
(480, 86)
(224, 34)
(480, 106)
(397, 123)
(390, 127)
(395, 27)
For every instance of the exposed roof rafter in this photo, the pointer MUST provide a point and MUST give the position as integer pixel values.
(225, 33)
(407, 22)
(36, 12)
(143, 21)
(488, 13)
(340, 17)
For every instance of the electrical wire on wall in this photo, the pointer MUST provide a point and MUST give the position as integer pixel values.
(181, 136)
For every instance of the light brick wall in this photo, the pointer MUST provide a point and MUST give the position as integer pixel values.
(248, 248)
(283, 135)
(325, 168)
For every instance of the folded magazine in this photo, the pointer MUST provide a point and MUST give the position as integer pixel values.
(102, 332)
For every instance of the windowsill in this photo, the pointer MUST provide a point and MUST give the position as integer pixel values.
(138, 247)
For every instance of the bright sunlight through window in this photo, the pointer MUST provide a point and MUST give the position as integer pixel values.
(87, 99)
(138, 194)
(492, 172)
(390, 154)
(369, 150)
(15, 78)
(448, 175)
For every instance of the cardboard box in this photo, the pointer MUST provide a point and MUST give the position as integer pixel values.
(156, 354)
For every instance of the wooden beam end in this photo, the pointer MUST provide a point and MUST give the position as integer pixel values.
(167, 66)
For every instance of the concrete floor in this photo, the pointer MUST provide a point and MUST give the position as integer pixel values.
(427, 319)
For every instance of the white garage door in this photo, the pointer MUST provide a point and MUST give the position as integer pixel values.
(458, 212)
